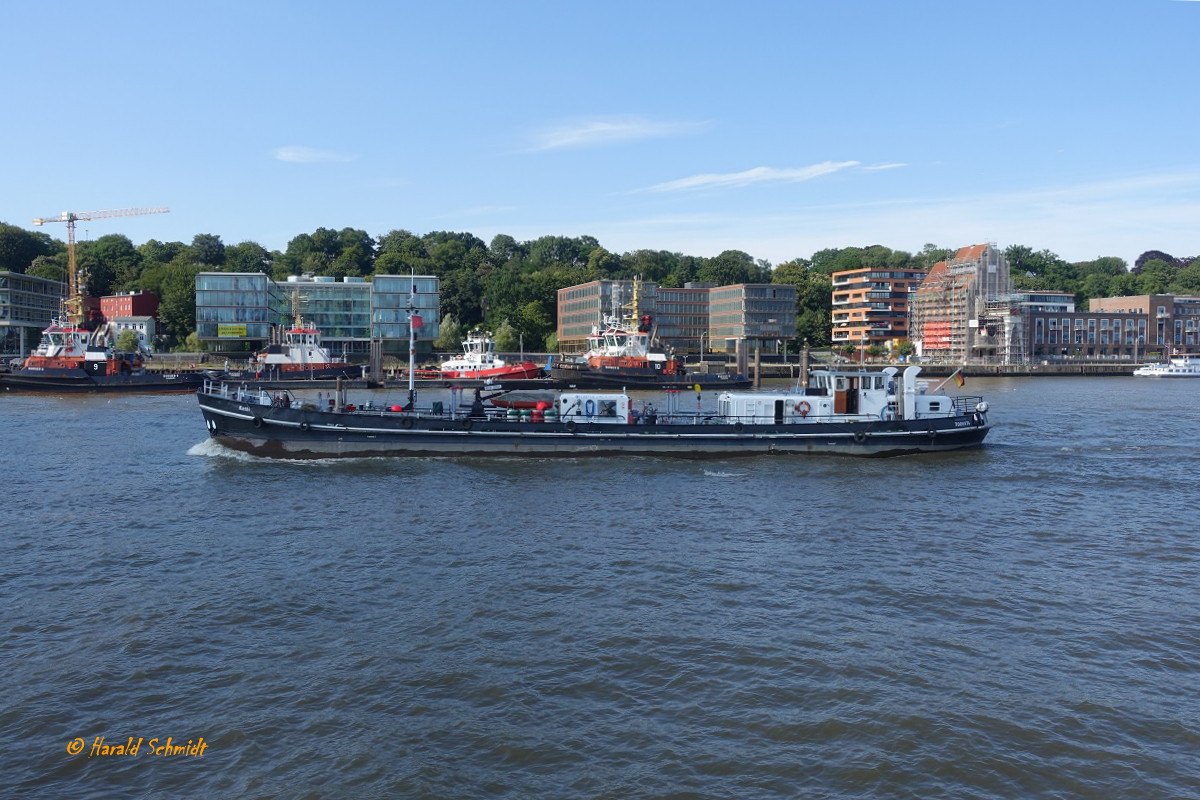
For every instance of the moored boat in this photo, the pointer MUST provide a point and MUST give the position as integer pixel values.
(620, 353)
(1175, 367)
(71, 358)
(479, 361)
(881, 413)
(300, 355)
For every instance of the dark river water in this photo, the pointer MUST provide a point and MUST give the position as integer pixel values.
(1020, 621)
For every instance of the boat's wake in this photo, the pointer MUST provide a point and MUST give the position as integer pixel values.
(708, 473)
(211, 449)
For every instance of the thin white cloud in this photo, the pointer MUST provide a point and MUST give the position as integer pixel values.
(752, 176)
(600, 132)
(1122, 216)
(884, 166)
(299, 154)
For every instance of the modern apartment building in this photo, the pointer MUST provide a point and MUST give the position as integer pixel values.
(1171, 321)
(870, 306)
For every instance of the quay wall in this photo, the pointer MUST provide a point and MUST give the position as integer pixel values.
(976, 370)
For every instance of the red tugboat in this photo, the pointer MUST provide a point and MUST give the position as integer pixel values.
(619, 354)
(71, 358)
(479, 361)
(299, 355)
(76, 354)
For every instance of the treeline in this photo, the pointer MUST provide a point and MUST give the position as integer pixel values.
(513, 285)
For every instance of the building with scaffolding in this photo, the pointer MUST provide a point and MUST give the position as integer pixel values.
(964, 310)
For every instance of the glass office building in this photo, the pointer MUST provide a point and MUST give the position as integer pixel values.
(390, 297)
(341, 311)
(27, 305)
(695, 318)
(236, 311)
(236, 308)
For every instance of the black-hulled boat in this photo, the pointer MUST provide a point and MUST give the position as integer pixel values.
(71, 358)
(880, 413)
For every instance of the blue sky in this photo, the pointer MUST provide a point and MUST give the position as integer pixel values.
(775, 128)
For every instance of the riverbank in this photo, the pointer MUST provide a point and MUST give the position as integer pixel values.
(1049, 369)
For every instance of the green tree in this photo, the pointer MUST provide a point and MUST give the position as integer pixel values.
(561, 251)
(532, 323)
(400, 252)
(248, 257)
(507, 339)
(156, 252)
(1125, 285)
(328, 252)
(1107, 266)
(192, 343)
(730, 267)
(504, 248)
(450, 335)
(50, 267)
(1095, 285)
(1187, 280)
(659, 266)
(177, 299)
(814, 300)
(825, 261)
(876, 257)
(107, 264)
(931, 254)
(19, 247)
(461, 295)
(504, 292)
(209, 250)
(603, 264)
(127, 342)
(905, 348)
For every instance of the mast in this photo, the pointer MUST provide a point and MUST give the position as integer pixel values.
(297, 317)
(414, 322)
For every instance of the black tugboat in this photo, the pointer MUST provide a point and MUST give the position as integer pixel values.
(71, 358)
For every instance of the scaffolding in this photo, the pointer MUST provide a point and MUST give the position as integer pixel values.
(1001, 333)
(961, 312)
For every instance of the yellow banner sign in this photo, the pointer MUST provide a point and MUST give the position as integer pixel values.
(231, 330)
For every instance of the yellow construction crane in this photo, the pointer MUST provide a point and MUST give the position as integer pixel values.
(74, 301)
